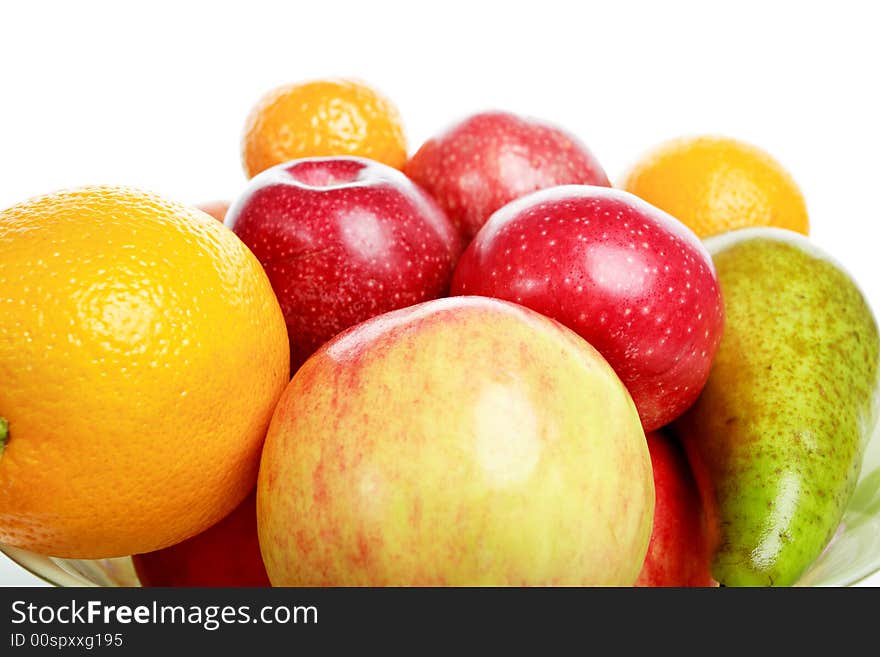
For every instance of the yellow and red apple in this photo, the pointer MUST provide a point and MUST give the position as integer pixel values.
(462, 441)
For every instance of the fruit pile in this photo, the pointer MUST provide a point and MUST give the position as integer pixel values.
(478, 365)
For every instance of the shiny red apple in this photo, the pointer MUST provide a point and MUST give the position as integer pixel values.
(343, 239)
(630, 279)
(488, 159)
(225, 554)
(680, 551)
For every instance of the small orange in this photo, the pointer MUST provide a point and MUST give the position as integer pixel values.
(142, 352)
(715, 184)
(322, 118)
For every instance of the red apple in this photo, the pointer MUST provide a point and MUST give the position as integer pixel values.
(343, 239)
(679, 553)
(216, 209)
(627, 277)
(489, 159)
(226, 554)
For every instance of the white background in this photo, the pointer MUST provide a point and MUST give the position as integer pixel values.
(155, 94)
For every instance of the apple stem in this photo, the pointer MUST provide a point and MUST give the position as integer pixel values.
(4, 433)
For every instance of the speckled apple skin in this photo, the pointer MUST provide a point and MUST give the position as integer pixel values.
(343, 239)
(463, 441)
(489, 159)
(781, 426)
(628, 278)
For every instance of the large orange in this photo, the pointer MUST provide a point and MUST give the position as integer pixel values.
(715, 184)
(322, 118)
(142, 352)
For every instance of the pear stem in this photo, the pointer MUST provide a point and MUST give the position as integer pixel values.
(4, 433)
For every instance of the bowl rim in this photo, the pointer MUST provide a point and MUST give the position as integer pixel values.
(24, 559)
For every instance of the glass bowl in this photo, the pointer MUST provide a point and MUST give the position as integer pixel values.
(852, 555)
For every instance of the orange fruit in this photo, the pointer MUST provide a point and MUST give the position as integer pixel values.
(142, 352)
(322, 118)
(715, 184)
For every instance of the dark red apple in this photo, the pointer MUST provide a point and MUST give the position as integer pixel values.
(627, 277)
(343, 239)
(680, 551)
(225, 554)
(491, 158)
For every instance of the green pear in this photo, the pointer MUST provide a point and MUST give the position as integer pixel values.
(778, 434)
